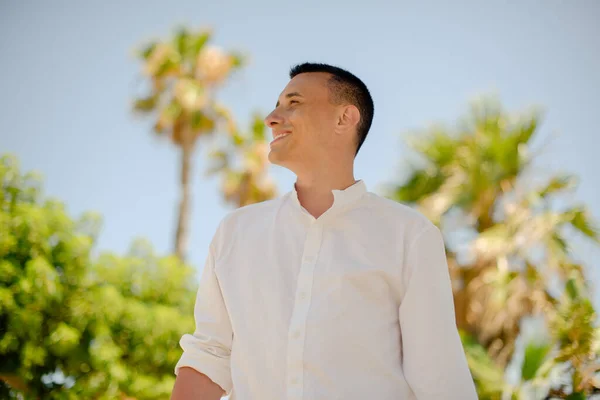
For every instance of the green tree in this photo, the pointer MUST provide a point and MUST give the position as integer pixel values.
(183, 73)
(136, 309)
(509, 252)
(44, 258)
(73, 326)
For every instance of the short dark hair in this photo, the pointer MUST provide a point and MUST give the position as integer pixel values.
(345, 88)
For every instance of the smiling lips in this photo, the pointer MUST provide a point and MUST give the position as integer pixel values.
(279, 135)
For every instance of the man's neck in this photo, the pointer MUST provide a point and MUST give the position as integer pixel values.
(315, 189)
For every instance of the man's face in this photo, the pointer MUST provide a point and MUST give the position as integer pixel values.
(303, 122)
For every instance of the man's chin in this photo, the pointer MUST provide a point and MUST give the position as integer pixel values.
(274, 156)
(277, 158)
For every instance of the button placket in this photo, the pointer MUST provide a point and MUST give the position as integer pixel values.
(297, 328)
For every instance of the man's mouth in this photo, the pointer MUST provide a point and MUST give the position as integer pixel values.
(280, 136)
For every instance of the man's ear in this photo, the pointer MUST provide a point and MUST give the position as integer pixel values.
(349, 118)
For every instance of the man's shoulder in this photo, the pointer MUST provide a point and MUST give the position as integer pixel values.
(236, 223)
(399, 214)
(252, 212)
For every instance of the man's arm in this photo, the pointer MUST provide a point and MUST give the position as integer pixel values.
(434, 360)
(191, 384)
(203, 371)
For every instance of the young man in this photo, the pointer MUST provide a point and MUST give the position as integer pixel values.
(331, 291)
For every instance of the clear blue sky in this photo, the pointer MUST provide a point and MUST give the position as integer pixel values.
(67, 77)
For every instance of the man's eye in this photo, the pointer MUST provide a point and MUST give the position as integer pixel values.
(293, 101)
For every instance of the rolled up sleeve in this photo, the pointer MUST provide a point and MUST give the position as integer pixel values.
(208, 350)
(434, 360)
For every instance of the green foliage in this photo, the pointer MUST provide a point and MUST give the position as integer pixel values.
(141, 303)
(44, 258)
(472, 181)
(183, 73)
(76, 327)
(488, 377)
(535, 354)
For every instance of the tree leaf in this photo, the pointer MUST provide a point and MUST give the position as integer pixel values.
(169, 114)
(581, 220)
(145, 53)
(571, 288)
(557, 184)
(238, 140)
(200, 122)
(535, 355)
(237, 59)
(168, 66)
(181, 40)
(488, 376)
(421, 184)
(220, 161)
(527, 130)
(145, 104)
(198, 42)
(438, 147)
(258, 129)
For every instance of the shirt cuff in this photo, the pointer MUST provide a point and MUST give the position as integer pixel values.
(216, 367)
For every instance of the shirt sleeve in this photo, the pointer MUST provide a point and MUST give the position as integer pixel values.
(434, 360)
(208, 350)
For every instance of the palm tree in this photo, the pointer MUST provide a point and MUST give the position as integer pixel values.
(184, 73)
(508, 247)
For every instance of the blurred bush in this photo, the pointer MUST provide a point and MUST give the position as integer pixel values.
(73, 326)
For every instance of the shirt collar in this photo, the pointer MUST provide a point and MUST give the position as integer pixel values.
(341, 198)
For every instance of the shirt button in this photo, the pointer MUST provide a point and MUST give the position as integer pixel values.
(294, 381)
(309, 259)
(302, 295)
(296, 334)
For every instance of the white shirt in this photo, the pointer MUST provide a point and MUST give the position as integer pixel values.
(356, 304)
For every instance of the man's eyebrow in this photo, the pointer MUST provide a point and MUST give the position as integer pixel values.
(289, 95)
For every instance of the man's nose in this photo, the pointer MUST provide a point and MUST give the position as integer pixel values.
(273, 119)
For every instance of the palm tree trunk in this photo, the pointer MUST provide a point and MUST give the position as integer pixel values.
(182, 235)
